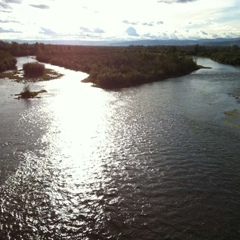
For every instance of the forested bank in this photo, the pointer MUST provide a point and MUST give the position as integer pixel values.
(226, 55)
(7, 61)
(116, 67)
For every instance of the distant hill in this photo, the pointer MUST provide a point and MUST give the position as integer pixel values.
(64, 42)
(175, 42)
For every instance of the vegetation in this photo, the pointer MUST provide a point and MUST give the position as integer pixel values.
(20, 50)
(141, 68)
(226, 55)
(234, 113)
(17, 76)
(35, 72)
(26, 93)
(116, 67)
(232, 118)
(33, 69)
(26, 89)
(7, 61)
(13, 75)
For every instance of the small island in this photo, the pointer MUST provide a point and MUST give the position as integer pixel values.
(140, 69)
(120, 67)
(26, 93)
(19, 76)
(31, 72)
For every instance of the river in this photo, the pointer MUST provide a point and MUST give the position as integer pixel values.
(158, 161)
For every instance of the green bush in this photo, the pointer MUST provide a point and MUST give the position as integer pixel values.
(33, 69)
(26, 89)
(7, 61)
(117, 67)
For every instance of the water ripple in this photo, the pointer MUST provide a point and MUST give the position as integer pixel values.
(141, 163)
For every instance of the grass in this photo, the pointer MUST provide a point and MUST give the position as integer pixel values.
(27, 93)
(26, 89)
(233, 114)
(17, 76)
(233, 118)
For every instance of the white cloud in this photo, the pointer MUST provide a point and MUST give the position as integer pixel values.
(175, 1)
(41, 6)
(131, 31)
(110, 19)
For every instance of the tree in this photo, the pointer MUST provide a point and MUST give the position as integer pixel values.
(33, 69)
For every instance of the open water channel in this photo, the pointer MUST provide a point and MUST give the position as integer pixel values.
(158, 161)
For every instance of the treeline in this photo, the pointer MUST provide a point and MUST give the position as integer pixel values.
(7, 61)
(9, 52)
(139, 68)
(114, 67)
(117, 67)
(33, 69)
(227, 55)
(20, 50)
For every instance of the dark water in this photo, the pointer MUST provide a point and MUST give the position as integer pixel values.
(160, 161)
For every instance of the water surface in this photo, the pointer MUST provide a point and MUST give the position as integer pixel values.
(159, 161)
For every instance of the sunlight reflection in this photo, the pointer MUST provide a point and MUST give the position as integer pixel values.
(74, 149)
(75, 139)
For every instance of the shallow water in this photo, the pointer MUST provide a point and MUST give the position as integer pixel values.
(159, 161)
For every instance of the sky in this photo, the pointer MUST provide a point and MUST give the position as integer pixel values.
(101, 20)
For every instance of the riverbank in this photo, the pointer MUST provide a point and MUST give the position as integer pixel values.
(118, 80)
(120, 67)
(225, 54)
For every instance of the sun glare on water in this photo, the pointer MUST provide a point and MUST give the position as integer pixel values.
(78, 117)
(78, 120)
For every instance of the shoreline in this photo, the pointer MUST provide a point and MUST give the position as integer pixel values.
(111, 81)
(125, 83)
(17, 76)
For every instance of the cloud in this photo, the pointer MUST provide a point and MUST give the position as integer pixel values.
(89, 33)
(149, 24)
(4, 5)
(51, 34)
(7, 21)
(8, 31)
(204, 33)
(215, 35)
(13, 1)
(41, 6)
(84, 29)
(131, 31)
(175, 1)
(88, 30)
(149, 36)
(47, 31)
(190, 17)
(184, 1)
(4, 30)
(98, 30)
(129, 22)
